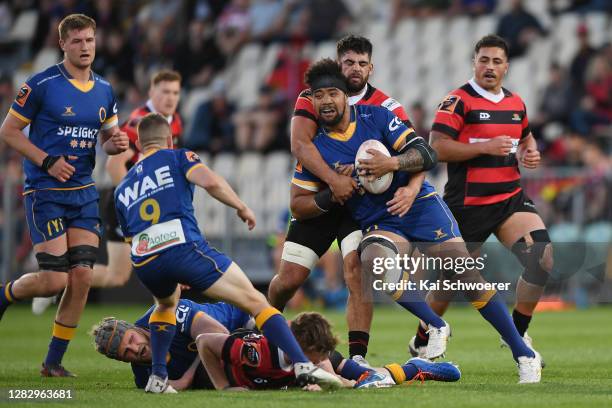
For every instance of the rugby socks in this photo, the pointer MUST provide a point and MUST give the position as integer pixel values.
(6, 297)
(521, 321)
(163, 327)
(422, 337)
(352, 371)
(495, 312)
(401, 373)
(358, 343)
(62, 335)
(274, 326)
(420, 309)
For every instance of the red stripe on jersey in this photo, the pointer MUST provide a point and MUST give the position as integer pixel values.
(490, 199)
(488, 175)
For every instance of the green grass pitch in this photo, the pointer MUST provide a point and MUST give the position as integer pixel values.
(577, 347)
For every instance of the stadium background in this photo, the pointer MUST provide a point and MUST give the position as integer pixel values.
(242, 64)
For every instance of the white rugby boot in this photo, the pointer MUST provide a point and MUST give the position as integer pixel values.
(158, 385)
(438, 338)
(530, 369)
(308, 373)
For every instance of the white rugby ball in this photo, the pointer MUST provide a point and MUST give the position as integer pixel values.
(382, 183)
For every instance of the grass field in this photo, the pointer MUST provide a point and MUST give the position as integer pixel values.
(577, 347)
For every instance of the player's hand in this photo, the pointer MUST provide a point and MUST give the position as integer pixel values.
(184, 287)
(498, 146)
(247, 216)
(61, 169)
(342, 188)
(120, 140)
(529, 158)
(345, 169)
(376, 166)
(312, 387)
(402, 201)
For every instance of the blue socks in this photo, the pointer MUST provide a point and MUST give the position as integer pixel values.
(274, 326)
(420, 309)
(352, 371)
(163, 326)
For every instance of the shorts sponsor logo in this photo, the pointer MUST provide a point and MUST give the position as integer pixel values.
(158, 237)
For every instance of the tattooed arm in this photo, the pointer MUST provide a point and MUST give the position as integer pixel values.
(417, 156)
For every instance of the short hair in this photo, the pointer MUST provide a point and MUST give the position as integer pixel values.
(165, 75)
(492, 40)
(355, 43)
(314, 333)
(322, 68)
(153, 128)
(75, 22)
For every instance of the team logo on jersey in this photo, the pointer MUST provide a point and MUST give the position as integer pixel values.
(192, 157)
(68, 111)
(395, 124)
(449, 104)
(516, 117)
(391, 104)
(251, 354)
(298, 167)
(440, 234)
(484, 116)
(102, 114)
(23, 94)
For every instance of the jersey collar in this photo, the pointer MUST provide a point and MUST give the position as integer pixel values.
(353, 100)
(495, 98)
(348, 133)
(149, 105)
(77, 84)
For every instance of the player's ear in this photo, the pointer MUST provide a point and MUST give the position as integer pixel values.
(138, 145)
(169, 141)
(61, 44)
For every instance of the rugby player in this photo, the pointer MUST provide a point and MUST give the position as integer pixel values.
(308, 239)
(65, 106)
(428, 223)
(247, 360)
(155, 212)
(130, 343)
(482, 131)
(114, 267)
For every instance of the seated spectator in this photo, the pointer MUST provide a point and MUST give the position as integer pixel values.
(287, 76)
(327, 18)
(596, 105)
(519, 28)
(258, 128)
(581, 59)
(233, 27)
(557, 100)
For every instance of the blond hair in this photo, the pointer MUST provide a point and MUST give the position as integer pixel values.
(75, 22)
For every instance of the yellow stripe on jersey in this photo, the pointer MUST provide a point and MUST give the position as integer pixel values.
(83, 87)
(19, 115)
(193, 168)
(308, 185)
(346, 136)
(402, 138)
(60, 188)
(146, 261)
(427, 195)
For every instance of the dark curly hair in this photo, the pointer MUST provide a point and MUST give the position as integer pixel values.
(314, 333)
(355, 43)
(325, 67)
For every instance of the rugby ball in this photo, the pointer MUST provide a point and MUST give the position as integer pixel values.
(381, 184)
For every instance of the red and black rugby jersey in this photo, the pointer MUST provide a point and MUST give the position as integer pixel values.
(468, 117)
(249, 360)
(372, 96)
(130, 126)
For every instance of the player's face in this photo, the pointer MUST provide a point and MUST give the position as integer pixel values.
(165, 97)
(80, 47)
(135, 347)
(490, 68)
(357, 69)
(330, 104)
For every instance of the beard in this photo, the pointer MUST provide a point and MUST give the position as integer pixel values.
(356, 87)
(333, 121)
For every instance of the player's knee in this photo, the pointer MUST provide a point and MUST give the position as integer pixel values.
(299, 254)
(52, 282)
(374, 250)
(81, 277)
(82, 256)
(54, 263)
(534, 251)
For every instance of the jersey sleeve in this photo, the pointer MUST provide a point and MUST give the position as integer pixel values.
(111, 117)
(525, 124)
(189, 161)
(27, 102)
(304, 106)
(396, 133)
(305, 179)
(449, 118)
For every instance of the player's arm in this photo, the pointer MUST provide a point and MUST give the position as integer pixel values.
(528, 153)
(303, 131)
(450, 150)
(415, 157)
(186, 379)
(116, 165)
(220, 189)
(12, 134)
(210, 347)
(306, 204)
(327, 366)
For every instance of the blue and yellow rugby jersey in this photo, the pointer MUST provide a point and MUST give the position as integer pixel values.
(154, 202)
(183, 349)
(367, 122)
(65, 118)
